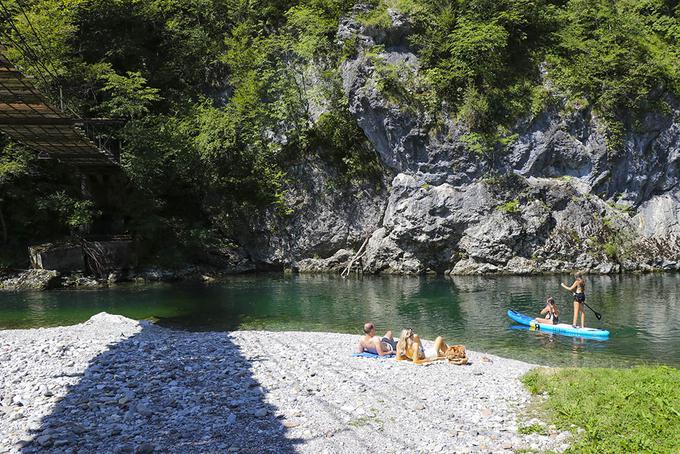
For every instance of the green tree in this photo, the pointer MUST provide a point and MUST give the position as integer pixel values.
(12, 166)
(128, 95)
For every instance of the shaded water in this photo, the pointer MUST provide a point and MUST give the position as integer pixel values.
(642, 312)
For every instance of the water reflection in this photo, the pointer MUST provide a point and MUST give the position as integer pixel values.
(641, 311)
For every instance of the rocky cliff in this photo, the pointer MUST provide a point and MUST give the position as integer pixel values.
(558, 197)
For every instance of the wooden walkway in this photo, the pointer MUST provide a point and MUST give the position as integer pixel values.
(27, 117)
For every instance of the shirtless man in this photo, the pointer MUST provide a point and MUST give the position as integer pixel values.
(371, 343)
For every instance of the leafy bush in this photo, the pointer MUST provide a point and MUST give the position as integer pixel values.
(341, 142)
(72, 212)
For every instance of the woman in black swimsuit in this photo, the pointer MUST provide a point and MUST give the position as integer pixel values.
(578, 288)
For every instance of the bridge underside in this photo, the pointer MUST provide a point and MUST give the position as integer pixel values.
(27, 117)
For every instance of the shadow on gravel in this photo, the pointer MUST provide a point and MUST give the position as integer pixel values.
(165, 391)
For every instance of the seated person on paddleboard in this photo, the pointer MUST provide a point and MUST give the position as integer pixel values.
(371, 343)
(578, 288)
(552, 314)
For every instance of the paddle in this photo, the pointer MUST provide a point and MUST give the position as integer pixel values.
(597, 314)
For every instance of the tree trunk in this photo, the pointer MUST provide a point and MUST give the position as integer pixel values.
(3, 226)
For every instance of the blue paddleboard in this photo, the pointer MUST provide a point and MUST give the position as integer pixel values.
(560, 328)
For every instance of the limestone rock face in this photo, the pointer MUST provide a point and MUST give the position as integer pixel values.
(559, 198)
(323, 219)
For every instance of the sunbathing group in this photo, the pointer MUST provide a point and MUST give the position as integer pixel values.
(408, 347)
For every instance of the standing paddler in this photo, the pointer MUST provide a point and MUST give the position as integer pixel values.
(578, 288)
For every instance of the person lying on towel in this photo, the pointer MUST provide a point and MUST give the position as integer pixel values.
(371, 343)
(411, 347)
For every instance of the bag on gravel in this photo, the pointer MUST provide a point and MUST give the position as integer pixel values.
(456, 354)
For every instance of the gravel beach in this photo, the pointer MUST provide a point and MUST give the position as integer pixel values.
(115, 385)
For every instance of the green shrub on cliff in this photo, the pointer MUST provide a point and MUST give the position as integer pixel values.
(620, 55)
(511, 206)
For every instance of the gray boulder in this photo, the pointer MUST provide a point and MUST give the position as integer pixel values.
(31, 280)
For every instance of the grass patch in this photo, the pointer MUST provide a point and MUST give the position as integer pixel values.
(621, 410)
(363, 421)
(532, 429)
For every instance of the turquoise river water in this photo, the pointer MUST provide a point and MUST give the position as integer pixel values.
(642, 312)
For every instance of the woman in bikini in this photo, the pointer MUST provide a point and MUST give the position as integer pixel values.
(552, 316)
(411, 347)
(578, 288)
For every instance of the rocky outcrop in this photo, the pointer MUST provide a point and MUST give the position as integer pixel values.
(323, 217)
(561, 197)
(29, 280)
(567, 200)
(336, 263)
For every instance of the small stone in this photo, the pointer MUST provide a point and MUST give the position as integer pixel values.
(78, 429)
(21, 444)
(260, 413)
(42, 389)
(144, 448)
(44, 440)
(144, 410)
(231, 419)
(290, 423)
(487, 412)
(124, 449)
(507, 445)
(420, 407)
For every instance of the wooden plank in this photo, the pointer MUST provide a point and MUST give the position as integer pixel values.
(33, 120)
(6, 73)
(25, 97)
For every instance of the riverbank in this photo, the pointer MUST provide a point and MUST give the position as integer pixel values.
(41, 280)
(115, 385)
(38, 279)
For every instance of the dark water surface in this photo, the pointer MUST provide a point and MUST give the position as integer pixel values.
(642, 312)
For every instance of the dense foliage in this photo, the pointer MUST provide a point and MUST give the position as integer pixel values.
(222, 96)
(621, 410)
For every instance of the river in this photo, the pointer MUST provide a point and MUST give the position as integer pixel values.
(642, 312)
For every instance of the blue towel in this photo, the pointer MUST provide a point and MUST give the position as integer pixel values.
(371, 355)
